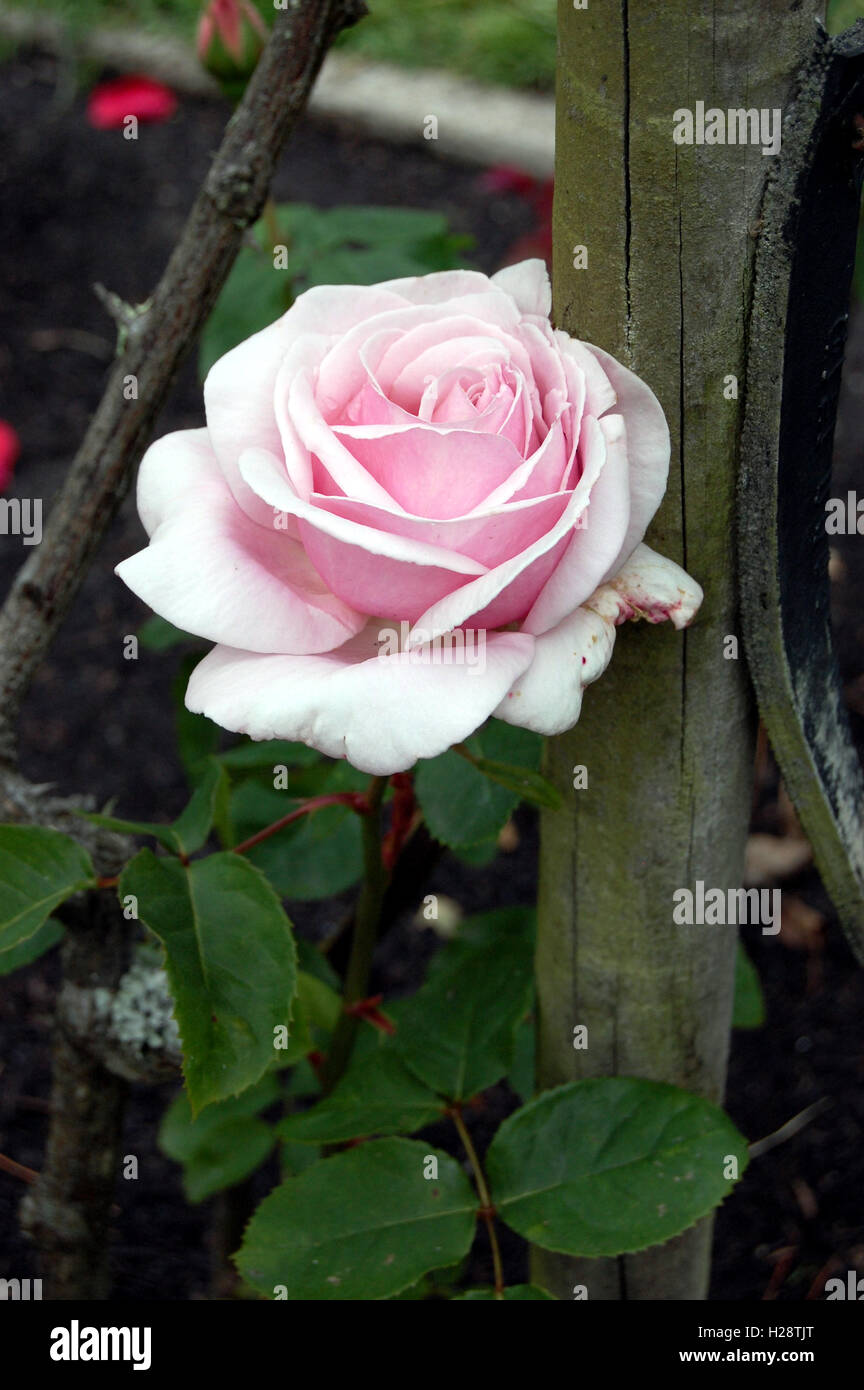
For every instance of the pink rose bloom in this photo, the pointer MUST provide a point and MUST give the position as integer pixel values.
(427, 457)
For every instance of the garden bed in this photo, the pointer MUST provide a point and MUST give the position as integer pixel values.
(84, 206)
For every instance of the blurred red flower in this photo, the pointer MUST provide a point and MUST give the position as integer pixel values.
(111, 102)
(538, 193)
(10, 448)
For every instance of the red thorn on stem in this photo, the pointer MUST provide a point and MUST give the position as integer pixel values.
(316, 1061)
(784, 1261)
(817, 1288)
(369, 1010)
(404, 806)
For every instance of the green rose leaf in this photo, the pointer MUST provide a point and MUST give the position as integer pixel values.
(468, 796)
(377, 1095)
(191, 828)
(254, 294)
(16, 957)
(362, 245)
(158, 635)
(39, 869)
(610, 1166)
(460, 805)
(317, 856)
(516, 1293)
(230, 960)
(198, 738)
(224, 1144)
(316, 1006)
(364, 1224)
(269, 753)
(207, 804)
(458, 1032)
(333, 246)
(479, 855)
(842, 14)
(315, 962)
(521, 1075)
(521, 781)
(749, 1009)
(322, 1005)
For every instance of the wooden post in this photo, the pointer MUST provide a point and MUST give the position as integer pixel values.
(667, 734)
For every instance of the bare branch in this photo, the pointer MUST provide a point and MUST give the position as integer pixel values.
(156, 342)
(67, 1211)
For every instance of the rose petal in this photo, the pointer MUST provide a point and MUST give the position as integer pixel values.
(548, 368)
(210, 570)
(540, 473)
(431, 470)
(352, 703)
(239, 389)
(599, 391)
(371, 407)
(649, 586)
(591, 549)
(517, 596)
(647, 448)
(475, 598)
(238, 403)
(548, 696)
(431, 349)
(303, 415)
(440, 287)
(528, 284)
(343, 370)
(488, 537)
(383, 572)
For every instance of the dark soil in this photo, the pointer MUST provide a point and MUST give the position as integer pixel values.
(80, 206)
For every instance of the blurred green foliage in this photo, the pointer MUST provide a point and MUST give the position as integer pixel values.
(843, 13)
(510, 43)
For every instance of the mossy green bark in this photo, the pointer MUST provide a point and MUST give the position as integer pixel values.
(667, 734)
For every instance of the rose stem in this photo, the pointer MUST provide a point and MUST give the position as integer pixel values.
(487, 1211)
(366, 923)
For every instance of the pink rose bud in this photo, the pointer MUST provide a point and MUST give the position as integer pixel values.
(231, 36)
(10, 448)
(111, 103)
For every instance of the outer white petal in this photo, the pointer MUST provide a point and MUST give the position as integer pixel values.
(651, 587)
(439, 287)
(213, 571)
(528, 284)
(380, 712)
(238, 403)
(548, 696)
(647, 448)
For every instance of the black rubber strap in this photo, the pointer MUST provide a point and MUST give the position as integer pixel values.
(804, 261)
